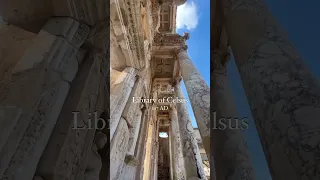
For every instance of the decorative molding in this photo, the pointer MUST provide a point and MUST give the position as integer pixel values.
(170, 39)
(134, 28)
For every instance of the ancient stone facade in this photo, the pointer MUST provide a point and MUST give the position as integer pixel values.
(152, 139)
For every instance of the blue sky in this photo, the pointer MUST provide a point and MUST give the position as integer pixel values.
(297, 17)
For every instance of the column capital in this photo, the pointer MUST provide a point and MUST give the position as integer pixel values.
(176, 81)
(182, 48)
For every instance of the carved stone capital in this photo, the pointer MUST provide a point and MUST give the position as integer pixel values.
(161, 39)
(180, 49)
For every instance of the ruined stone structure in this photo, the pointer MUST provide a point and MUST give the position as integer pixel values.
(148, 61)
(57, 122)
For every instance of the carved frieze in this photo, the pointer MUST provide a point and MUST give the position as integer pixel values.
(131, 14)
(161, 39)
(162, 67)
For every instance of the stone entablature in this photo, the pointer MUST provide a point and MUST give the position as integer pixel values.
(168, 39)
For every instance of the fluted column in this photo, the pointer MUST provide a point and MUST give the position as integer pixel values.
(283, 95)
(193, 164)
(199, 95)
(228, 144)
(179, 171)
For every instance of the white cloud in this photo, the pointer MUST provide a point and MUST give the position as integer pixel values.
(187, 16)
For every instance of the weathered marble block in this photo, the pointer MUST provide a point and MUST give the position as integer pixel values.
(62, 26)
(118, 149)
(21, 154)
(134, 133)
(35, 88)
(82, 10)
(39, 52)
(65, 60)
(122, 90)
(65, 154)
(70, 29)
(131, 108)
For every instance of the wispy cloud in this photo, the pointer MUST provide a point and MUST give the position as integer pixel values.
(187, 16)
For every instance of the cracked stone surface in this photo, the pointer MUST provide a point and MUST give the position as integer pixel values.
(283, 95)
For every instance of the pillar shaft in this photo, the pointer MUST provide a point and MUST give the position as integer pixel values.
(284, 97)
(179, 171)
(191, 154)
(199, 95)
(228, 144)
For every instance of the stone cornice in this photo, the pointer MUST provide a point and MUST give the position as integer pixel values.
(168, 39)
(134, 30)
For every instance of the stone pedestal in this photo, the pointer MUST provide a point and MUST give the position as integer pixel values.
(228, 144)
(283, 95)
(178, 163)
(199, 95)
(193, 164)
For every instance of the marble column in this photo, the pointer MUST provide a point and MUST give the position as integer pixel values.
(199, 95)
(193, 164)
(148, 156)
(283, 95)
(171, 154)
(228, 145)
(178, 164)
